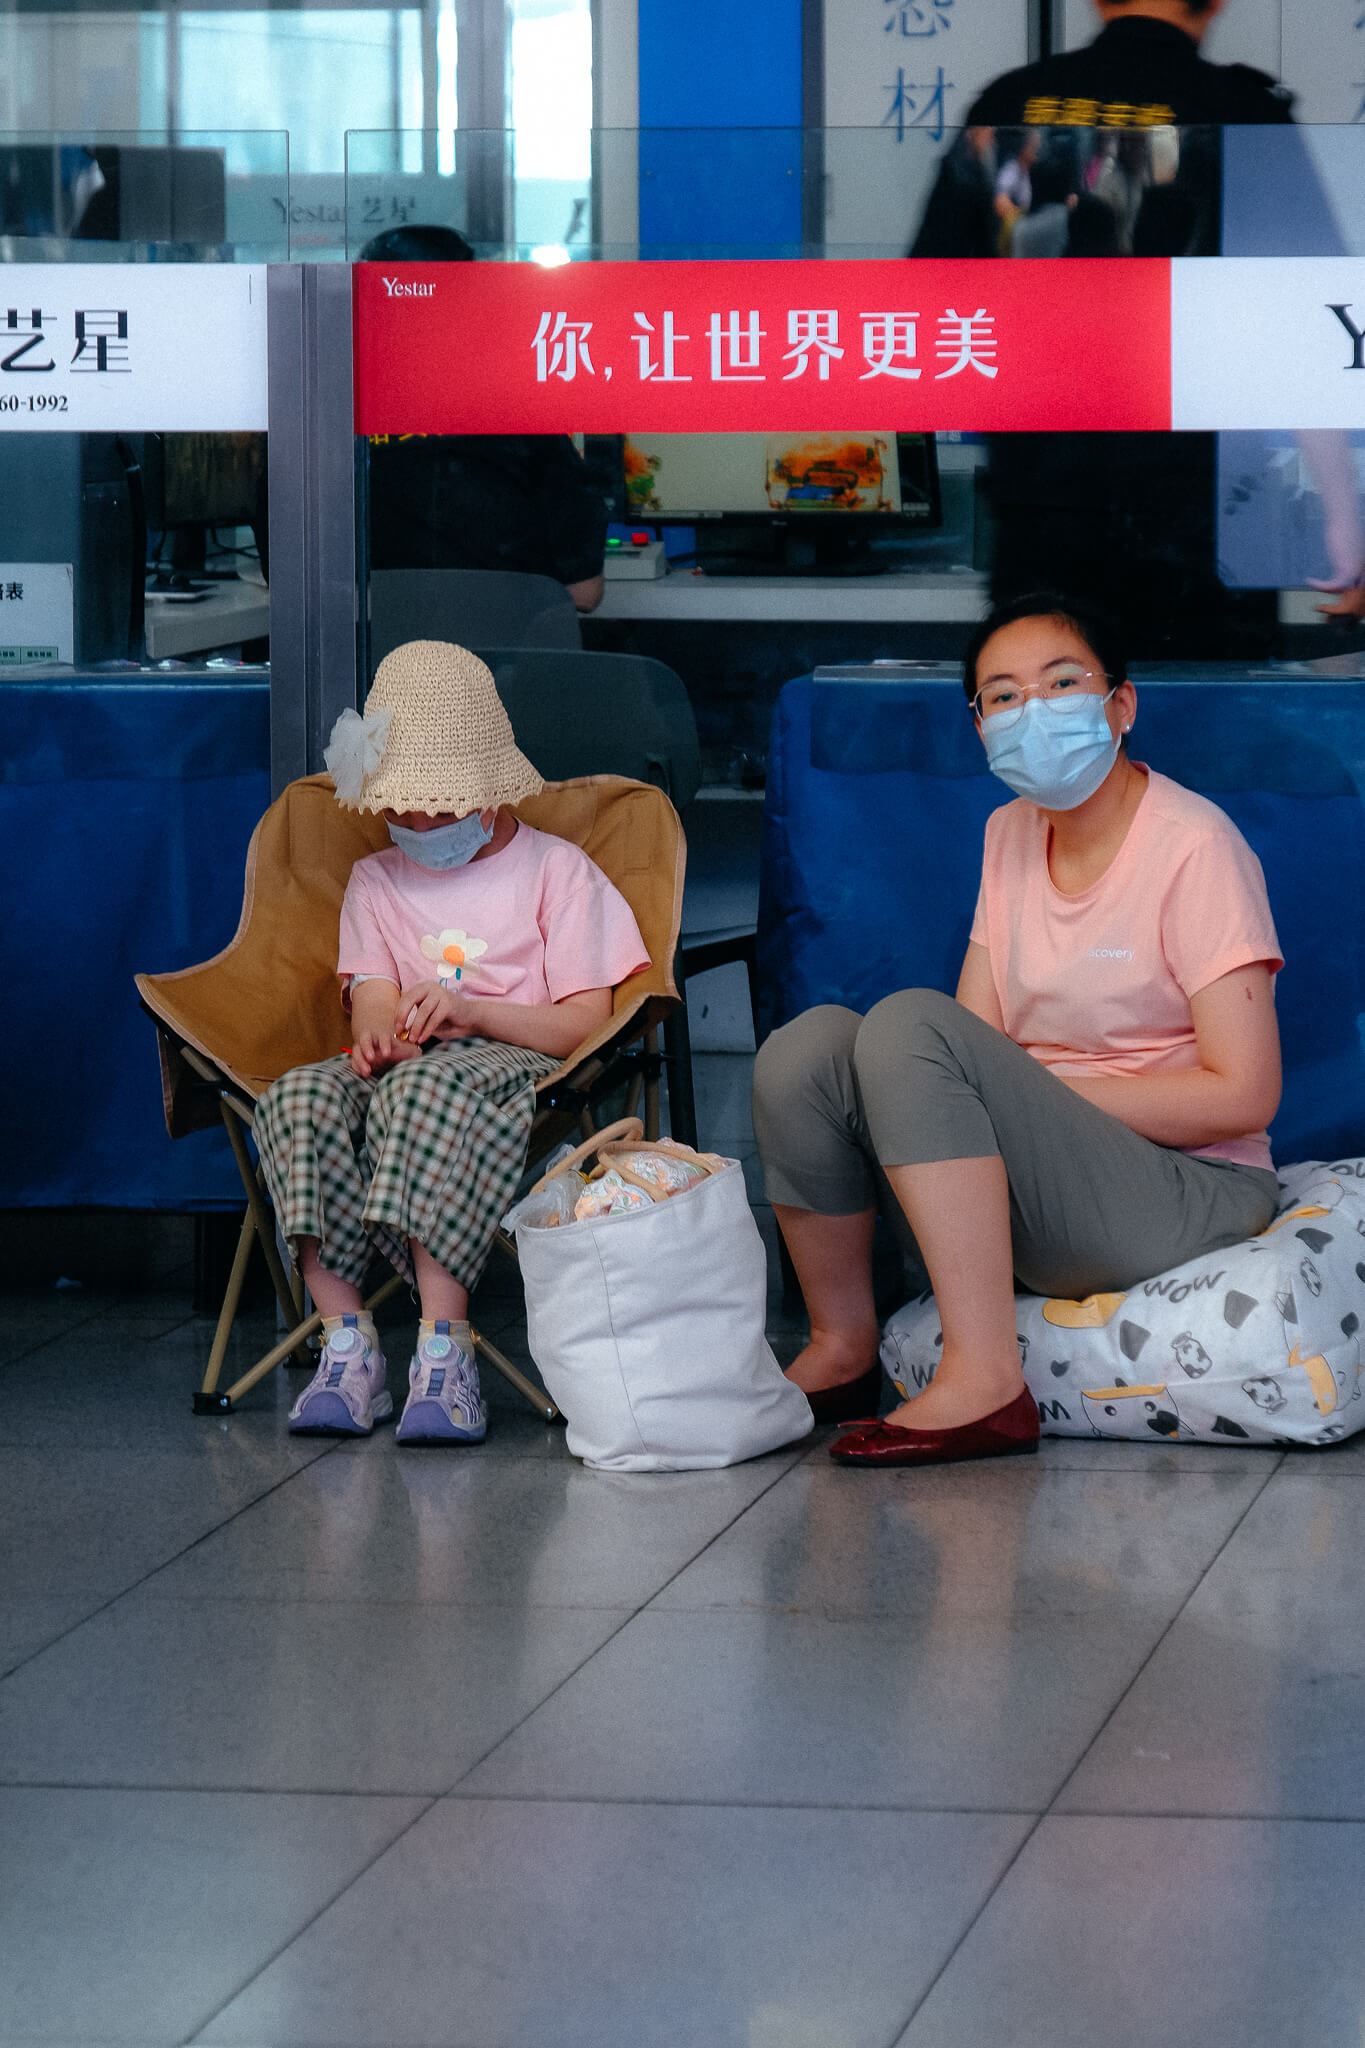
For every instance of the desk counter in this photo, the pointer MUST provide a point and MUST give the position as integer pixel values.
(912, 597)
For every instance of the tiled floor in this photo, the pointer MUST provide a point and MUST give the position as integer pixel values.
(317, 1743)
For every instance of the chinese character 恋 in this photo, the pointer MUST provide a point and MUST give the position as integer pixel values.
(806, 331)
(15, 324)
(888, 344)
(918, 17)
(969, 338)
(561, 347)
(101, 341)
(925, 112)
(663, 371)
(737, 346)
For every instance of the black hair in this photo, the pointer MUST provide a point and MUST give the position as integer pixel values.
(1051, 182)
(1101, 632)
(1093, 229)
(419, 243)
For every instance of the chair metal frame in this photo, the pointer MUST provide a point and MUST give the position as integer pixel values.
(200, 1089)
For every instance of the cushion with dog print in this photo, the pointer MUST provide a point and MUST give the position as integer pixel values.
(1257, 1344)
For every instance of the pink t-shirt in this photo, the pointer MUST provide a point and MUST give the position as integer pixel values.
(1100, 983)
(532, 923)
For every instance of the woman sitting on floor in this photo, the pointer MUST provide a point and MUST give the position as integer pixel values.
(1088, 1111)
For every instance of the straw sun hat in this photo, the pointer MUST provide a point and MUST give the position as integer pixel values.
(433, 737)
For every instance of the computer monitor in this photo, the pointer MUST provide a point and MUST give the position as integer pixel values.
(795, 503)
(195, 482)
(155, 193)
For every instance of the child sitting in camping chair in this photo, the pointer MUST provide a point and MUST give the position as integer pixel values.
(475, 954)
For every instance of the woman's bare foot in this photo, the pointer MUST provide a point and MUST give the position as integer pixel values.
(960, 1393)
(832, 1359)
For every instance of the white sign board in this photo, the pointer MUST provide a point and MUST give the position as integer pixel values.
(1267, 343)
(37, 613)
(899, 78)
(916, 64)
(132, 347)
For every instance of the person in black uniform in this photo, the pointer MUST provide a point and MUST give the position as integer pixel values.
(1143, 70)
(1132, 517)
(481, 501)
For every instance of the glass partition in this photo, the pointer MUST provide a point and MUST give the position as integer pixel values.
(759, 561)
(132, 398)
(617, 194)
(141, 196)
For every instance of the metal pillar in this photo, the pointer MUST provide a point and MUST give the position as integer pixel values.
(315, 667)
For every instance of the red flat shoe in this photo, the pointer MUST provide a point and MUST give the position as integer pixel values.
(849, 1401)
(1012, 1431)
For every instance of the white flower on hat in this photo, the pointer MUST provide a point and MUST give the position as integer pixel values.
(355, 750)
(452, 952)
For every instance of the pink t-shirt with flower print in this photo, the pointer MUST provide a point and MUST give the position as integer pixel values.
(1100, 982)
(532, 923)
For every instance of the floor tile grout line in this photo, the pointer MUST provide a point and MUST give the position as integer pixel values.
(299, 1932)
(1170, 1625)
(311, 1921)
(475, 1798)
(1050, 1809)
(1242, 1817)
(83, 1322)
(1202, 1814)
(152, 1572)
(633, 1615)
(918, 2004)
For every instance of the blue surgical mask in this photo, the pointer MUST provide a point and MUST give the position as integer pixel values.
(1055, 754)
(445, 846)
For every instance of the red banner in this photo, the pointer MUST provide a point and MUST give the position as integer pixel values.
(490, 348)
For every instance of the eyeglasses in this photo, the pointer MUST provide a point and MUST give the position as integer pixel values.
(1003, 702)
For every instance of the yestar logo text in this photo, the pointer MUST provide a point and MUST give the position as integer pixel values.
(396, 288)
(1357, 335)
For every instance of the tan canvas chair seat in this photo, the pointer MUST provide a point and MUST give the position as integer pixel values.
(271, 1001)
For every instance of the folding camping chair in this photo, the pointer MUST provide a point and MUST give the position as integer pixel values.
(270, 1001)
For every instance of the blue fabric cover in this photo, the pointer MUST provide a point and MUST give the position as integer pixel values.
(876, 807)
(125, 813)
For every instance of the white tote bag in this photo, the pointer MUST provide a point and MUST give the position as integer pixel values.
(647, 1327)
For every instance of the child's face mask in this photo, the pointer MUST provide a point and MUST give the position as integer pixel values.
(444, 846)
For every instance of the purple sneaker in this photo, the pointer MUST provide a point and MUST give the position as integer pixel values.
(444, 1404)
(346, 1395)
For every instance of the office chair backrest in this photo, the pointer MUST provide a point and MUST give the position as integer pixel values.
(473, 607)
(600, 714)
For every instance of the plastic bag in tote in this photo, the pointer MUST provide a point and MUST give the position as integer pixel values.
(647, 1324)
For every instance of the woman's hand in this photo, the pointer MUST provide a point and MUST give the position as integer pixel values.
(428, 1009)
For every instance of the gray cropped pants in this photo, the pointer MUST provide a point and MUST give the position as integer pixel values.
(1093, 1206)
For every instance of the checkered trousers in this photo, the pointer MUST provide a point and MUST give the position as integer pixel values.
(432, 1150)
